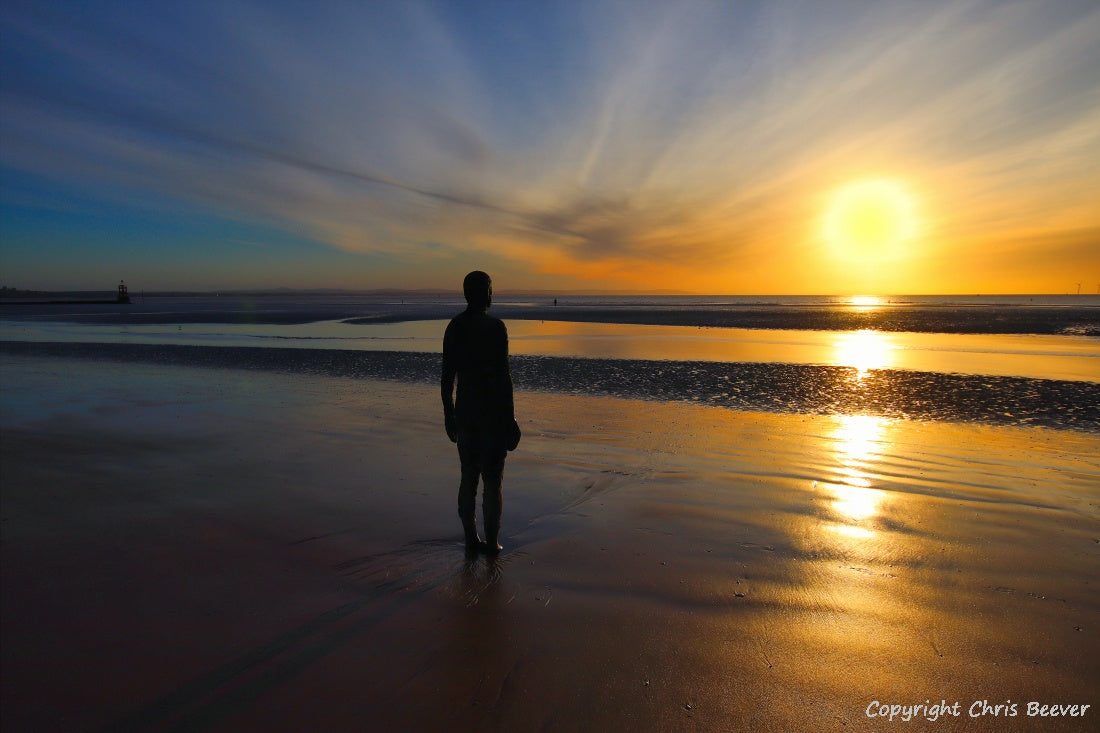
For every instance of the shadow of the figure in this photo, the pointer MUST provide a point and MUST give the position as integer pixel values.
(390, 584)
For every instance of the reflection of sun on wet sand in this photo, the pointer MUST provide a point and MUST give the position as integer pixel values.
(205, 556)
(856, 501)
(864, 350)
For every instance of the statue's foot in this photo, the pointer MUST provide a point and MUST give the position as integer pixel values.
(473, 539)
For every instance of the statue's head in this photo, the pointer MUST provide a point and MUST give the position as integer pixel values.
(478, 289)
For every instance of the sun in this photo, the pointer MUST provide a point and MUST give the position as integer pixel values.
(870, 219)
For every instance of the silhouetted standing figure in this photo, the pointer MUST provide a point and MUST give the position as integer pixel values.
(481, 418)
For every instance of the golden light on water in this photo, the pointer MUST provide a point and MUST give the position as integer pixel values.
(865, 350)
(864, 302)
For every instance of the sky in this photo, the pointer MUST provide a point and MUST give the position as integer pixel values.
(705, 147)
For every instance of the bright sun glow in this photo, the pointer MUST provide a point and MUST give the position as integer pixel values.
(870, 219)
(864, 302)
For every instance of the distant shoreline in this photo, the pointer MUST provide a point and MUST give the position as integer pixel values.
(30, 301)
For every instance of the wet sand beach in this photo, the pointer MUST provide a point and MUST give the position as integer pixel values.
(244, 549)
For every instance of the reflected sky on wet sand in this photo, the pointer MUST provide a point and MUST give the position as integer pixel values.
(705, 550)
(916, 552)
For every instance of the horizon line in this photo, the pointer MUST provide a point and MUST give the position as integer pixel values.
(9, 293)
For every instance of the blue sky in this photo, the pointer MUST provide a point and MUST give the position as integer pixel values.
(639, 145)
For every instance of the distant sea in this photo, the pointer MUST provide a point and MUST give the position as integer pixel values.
(1029, 360)
(953, 313)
